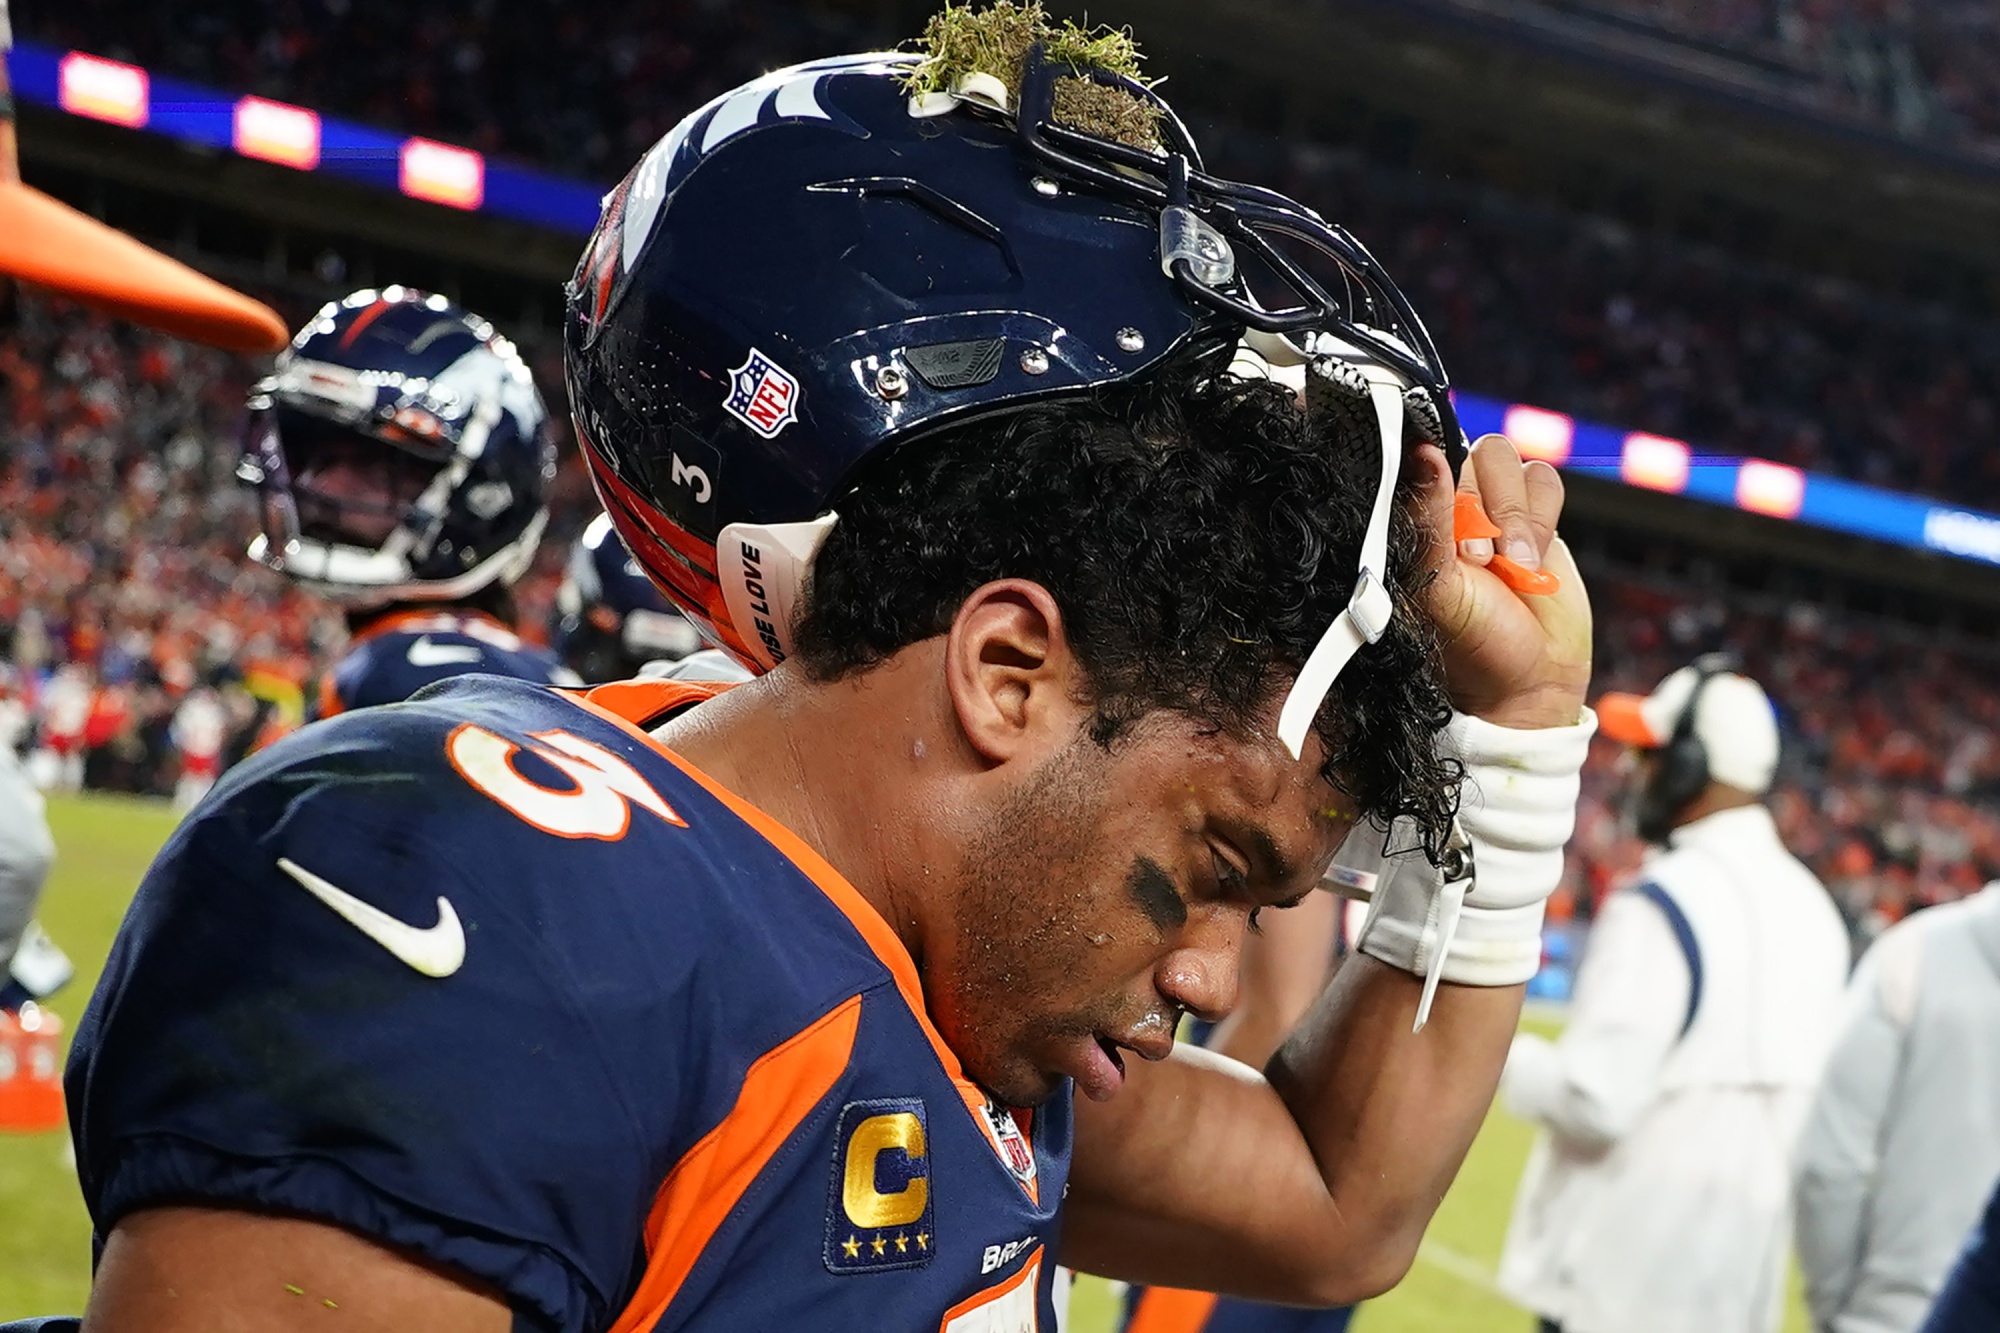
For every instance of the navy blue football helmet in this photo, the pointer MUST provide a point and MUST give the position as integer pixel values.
(401, 453)
(821, 263)
(609, 618)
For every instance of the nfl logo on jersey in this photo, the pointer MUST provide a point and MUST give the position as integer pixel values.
(762, 395)
(1012, 1144)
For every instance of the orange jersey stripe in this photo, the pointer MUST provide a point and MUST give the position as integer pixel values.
(637, 702)
(1030, 1271)
(877, 932)
(779, 1091)
(330, 703)
(439, 619)
(624, 701)
(1171, 1310)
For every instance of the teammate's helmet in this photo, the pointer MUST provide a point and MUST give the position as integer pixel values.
(820, 264)
(401, 453)
(609, 618)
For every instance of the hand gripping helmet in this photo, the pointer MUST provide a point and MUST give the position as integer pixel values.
(822, 265)
(400, 451)
(610, 619)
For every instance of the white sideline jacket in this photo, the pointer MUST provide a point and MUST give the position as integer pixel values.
(26, 851)
(1656, 1198)
(1902, 1146)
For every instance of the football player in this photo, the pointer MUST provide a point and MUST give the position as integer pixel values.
(402, 457)
(610, 620)
(670, 1007)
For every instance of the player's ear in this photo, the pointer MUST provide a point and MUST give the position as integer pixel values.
(1013, 681)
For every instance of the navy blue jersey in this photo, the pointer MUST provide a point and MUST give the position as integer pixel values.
(1970, 1301)
(400, 654)
(493, 977)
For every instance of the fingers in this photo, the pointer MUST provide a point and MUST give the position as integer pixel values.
(1477, 546)
(1502, 486)
(1434, 500)
(1545, 502)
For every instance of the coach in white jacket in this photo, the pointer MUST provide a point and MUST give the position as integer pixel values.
(1656, 1199)
(1902, 1146)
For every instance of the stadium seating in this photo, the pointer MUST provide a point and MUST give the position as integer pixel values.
(1892, 741)
(1586, 317)
(1925, 71)
(1571, 312)
(122, 532)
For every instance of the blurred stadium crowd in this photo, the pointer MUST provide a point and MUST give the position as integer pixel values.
(609, 78)
(1527, 303)
(124, 594)
(1891, 743)
(1925, 70)
(122, 531)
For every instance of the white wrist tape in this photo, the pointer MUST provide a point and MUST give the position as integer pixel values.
(1478, 920)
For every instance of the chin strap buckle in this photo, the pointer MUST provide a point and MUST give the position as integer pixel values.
(1369, 607)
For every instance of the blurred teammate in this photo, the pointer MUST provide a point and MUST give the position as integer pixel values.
(402, 456)
(610, 620)
(670, 1007)
(1902, 1146)
(1655, 1198)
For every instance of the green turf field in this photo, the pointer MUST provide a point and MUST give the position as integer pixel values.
(104, 845)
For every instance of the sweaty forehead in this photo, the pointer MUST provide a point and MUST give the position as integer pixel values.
(1280, 812)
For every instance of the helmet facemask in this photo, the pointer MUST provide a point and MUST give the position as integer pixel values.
(1252, 255)
(399, 453)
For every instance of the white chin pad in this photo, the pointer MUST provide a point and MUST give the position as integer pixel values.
(1370, 608)
(762, 568)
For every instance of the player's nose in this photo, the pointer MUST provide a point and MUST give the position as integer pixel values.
(1201, 976)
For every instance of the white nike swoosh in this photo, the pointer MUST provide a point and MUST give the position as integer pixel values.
(435, 952)
(424, 653)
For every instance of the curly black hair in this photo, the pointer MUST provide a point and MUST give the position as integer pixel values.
(1199, 534)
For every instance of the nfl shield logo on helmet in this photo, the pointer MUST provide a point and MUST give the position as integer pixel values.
(762, 395)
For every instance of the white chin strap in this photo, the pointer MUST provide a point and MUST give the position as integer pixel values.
(1369, 610)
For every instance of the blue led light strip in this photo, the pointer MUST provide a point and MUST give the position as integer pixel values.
(458, 177)
(1803, 497)
(195, 114)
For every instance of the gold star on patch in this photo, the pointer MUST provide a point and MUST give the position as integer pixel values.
(923, 1240)
(852, 1247)
(879, 1244)
(902, 1245)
